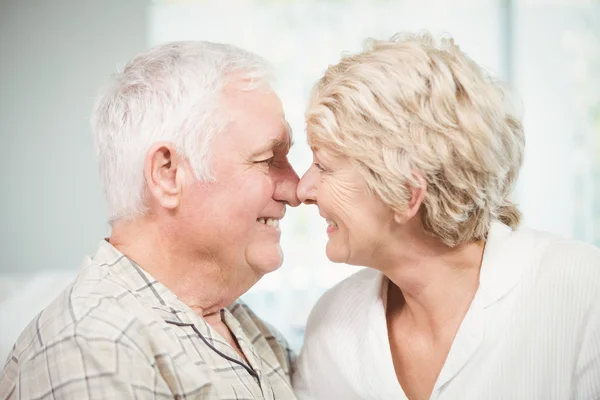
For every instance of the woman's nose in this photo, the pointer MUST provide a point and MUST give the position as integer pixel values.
(307, 189)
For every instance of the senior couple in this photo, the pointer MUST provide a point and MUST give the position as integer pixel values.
(416, 152)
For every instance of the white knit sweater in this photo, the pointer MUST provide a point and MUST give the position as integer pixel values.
(532, 331)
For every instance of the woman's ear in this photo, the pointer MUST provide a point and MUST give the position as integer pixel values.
(417, 195)
(163, 172)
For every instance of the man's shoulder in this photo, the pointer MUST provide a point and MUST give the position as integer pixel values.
(88, 338)
(96, 306)
(96, 292)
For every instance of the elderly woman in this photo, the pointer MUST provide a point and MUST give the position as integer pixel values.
(416, 153)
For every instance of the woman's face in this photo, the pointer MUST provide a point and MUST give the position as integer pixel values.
(359, 224)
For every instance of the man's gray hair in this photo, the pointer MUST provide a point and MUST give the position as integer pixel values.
(171, 93)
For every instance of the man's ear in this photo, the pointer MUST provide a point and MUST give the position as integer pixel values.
(164, 172)
(417, 195)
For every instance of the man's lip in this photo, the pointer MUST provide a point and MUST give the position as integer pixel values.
(279, 216)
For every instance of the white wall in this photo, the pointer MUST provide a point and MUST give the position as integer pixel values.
(555, 190)
(54, 55)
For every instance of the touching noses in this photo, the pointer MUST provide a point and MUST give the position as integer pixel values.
(286, 183)
(307, 188)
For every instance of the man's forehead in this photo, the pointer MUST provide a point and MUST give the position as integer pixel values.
(284, 140)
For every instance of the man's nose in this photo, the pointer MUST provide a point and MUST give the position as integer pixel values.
(307, 189)
(286, 183)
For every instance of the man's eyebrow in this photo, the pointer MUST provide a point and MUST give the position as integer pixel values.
(289, 131)
(276, 143)
(271, 145)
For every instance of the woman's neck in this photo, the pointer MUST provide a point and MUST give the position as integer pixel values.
(432, 290)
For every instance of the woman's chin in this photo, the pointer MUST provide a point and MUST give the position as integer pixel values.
(336, 253)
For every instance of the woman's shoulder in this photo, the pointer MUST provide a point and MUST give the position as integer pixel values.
(346, 304)
(330, 363)
(552, 249)
(578, 257)
(567, 263)
(544, 248)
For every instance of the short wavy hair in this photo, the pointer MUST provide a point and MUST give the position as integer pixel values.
(412, 105)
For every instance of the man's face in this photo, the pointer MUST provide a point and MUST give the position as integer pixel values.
(235, 219)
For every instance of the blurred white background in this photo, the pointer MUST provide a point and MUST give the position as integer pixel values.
(54, 55)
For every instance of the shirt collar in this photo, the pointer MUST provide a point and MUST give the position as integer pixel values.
(506, 253)
(165, 304)
(126, 273)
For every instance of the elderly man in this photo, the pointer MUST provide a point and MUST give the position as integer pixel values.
(192, 145)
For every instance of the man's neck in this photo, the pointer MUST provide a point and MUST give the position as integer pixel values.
(200, 284)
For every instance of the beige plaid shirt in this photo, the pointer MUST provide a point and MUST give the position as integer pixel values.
(117, 333)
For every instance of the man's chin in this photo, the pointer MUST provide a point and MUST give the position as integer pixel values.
(267, 260)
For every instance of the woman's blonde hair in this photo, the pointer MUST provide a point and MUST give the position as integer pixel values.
(412, 106)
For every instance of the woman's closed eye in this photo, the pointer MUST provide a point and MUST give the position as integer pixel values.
(319, 167)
